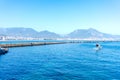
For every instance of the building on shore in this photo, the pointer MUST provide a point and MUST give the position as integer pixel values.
(2, 38)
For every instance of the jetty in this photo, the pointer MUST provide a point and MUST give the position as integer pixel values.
(28, 44)
(45, 43)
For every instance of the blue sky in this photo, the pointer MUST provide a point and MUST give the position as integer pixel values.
(61, 16)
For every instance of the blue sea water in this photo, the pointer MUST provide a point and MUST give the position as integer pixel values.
(74, 61)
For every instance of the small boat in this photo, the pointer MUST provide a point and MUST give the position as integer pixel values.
(98, 47)
(3, 50)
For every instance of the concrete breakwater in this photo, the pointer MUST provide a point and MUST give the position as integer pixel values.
(44, 43)
(29, 44)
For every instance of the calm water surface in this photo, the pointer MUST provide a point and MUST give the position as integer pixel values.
(62, 62)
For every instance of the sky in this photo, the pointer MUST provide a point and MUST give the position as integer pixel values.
(61, 16)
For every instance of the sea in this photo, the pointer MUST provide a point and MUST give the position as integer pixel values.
(72, 61)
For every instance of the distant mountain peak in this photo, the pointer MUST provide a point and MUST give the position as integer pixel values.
(88, 33)
(46, 31)
(91, 29)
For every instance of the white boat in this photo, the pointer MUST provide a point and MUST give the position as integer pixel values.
(98, 48)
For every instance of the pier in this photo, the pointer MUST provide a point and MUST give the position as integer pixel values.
(44, 43)
(29, 44)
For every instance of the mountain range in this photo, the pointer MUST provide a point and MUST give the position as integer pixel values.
(79, 33)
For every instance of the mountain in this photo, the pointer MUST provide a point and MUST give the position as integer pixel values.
(27, 32)
(77, 34)
(90, 33)
(24, 32)
(47, 34)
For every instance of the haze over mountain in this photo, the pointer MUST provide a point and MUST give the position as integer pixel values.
(27, 32)
(79, 33)
(48, 34)
(90, 33)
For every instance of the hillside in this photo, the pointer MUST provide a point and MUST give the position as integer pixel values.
(79, 33)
